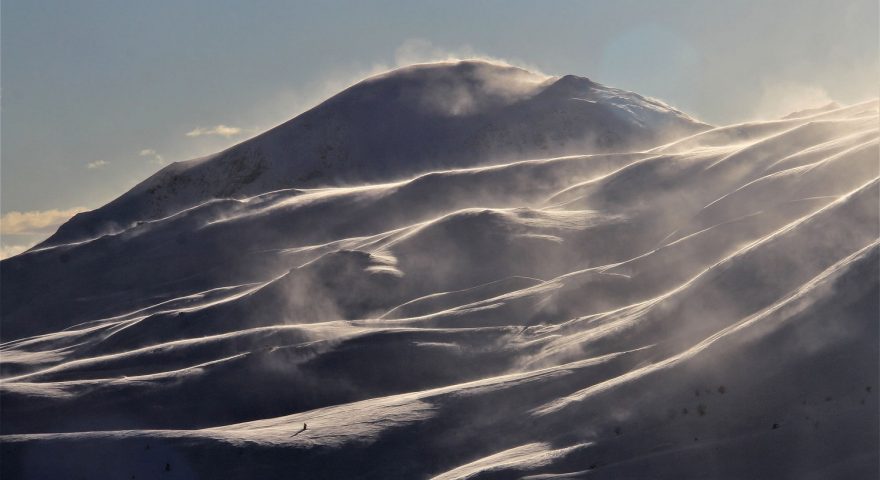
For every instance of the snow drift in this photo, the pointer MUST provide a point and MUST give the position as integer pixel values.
(491, 274)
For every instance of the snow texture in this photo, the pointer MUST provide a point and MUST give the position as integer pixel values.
(464, 270)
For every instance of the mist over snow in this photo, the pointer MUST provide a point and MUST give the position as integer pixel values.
(464, 269)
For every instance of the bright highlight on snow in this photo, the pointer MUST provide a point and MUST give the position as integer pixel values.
(464, 270)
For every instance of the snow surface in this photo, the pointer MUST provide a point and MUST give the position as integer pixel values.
(691, 302)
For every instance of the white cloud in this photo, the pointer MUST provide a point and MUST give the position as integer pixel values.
(35, 222)
(155, 157)
(97, 164)
(218, 130)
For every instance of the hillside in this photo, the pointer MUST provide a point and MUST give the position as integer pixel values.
(514, 277)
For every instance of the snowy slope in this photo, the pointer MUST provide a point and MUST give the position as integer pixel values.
(703, 308)
(391, 126)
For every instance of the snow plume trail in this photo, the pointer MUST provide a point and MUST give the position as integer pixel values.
(700, 304)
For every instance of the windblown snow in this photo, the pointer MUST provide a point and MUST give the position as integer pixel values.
(465, 270)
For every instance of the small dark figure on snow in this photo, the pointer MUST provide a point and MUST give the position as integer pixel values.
(305, 427)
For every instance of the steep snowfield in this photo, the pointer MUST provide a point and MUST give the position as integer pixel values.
(704, 308)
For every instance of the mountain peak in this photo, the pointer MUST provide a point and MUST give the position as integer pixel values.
(571, 85)
(451, 88)
(401, 123)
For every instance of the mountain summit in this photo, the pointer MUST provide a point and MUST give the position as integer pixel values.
(398, 124)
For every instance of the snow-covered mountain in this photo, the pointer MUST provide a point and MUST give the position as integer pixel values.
(392, 126)
(491, 274)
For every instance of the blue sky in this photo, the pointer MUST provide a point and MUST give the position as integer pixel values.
(96, 95)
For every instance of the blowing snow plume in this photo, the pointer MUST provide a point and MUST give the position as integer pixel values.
(465, 270)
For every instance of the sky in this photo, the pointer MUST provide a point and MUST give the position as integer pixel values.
(98, 95)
